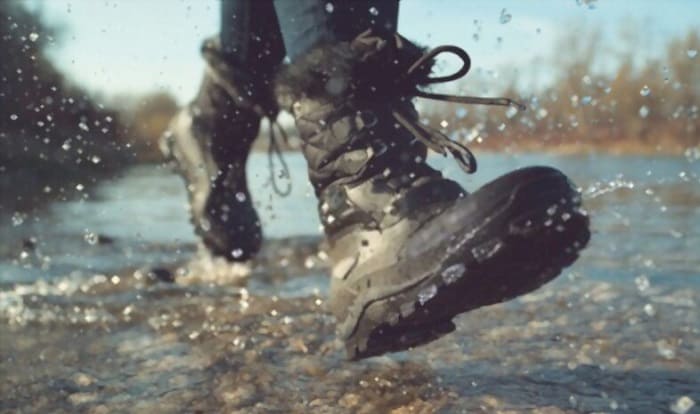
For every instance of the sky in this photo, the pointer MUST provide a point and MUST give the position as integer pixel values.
(130, 47)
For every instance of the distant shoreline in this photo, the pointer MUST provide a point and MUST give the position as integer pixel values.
(631, 147)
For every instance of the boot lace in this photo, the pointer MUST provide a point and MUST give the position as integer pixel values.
(408, 85)
(264, 111)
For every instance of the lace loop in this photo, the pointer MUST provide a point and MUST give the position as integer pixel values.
(428, 57)
(433, 139)
(275, 150)
(270, 113)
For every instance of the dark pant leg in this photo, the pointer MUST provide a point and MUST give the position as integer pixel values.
(250, 34)
(306, 23)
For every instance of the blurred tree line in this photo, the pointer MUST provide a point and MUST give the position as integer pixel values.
(54, 135)
(145, 118)
(45, 116)
(637, 107)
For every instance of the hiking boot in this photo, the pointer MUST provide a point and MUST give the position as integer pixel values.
(411, 249)
(209, 142)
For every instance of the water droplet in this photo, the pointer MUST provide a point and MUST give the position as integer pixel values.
(240, 196)
(83, 126)
(649, 309)
(665, 349)
(33, 36)
(461, 112)
(692, 53)
(17, 219)
(329, 7)
(644, 111)
(91, 238)
(642, 282)
(79, 187)
(486, 250)
(95, 159)
(373, 11)
(588, 3)
(453, 273)
(505, 17)
(426, 294)
(645, 91)
(237, 253)
(683, 405)
(444, 123)
(572, 401)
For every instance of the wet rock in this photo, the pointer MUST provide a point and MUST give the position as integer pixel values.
(82, 398)
(239, 396)
(30, 243)
(160, 274)
(82, 380)
(103, 239)
(349, 400)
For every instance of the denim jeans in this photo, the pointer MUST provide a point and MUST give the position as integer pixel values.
(263, 32)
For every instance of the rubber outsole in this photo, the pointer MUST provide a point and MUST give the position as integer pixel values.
(509, 238)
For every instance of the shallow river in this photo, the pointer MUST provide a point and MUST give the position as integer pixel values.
(84, 327)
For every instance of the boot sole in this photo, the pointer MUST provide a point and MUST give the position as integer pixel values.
(512, 236)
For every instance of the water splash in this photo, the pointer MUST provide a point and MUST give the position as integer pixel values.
(505, 17)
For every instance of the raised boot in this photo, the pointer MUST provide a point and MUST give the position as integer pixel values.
(411, 249)
(209, 142)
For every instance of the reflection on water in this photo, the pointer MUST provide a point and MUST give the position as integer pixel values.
(618, 331)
